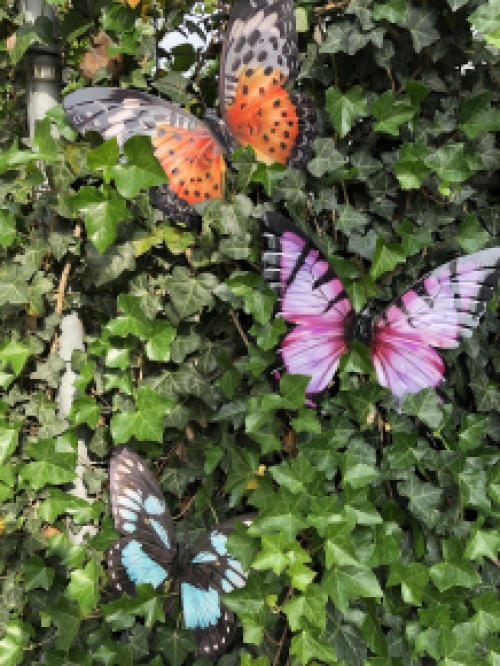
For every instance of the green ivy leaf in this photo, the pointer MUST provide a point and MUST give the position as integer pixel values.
(343, 583)
(9, 438)
(36, 574)
(454, 162)
(391, 113)
(174, 645)
(52, 465)
(413, 579)
(13, 643)
(344, 109)
(142, 169)
(393, 11)
(105, 156)
(309, 606)
(84, 586)
(471, 236)
(146, 423)
(425, 406)
(8, 229)
(103, 210)
(85, 410)
(386, 258)
(66, 616)
(307, 647)
(327, 160)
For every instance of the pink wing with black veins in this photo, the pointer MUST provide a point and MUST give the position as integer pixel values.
(313, 302)
(439, 311)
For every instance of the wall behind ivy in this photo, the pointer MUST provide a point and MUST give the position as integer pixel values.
(377, 539)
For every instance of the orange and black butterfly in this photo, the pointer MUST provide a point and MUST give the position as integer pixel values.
(259, 57)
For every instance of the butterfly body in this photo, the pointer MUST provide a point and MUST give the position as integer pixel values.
(149, 552)
(259, 57)
(441, 309)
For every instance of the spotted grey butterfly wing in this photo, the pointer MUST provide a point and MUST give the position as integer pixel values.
(312, 300)
(259, 57)
(211, 573)
(437, 312)
(188, 152)
(141, 515)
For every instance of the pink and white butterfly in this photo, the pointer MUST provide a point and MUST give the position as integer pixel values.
(438, 311)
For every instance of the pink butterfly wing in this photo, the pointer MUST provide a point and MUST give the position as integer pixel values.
(313, 301)
(439, 311)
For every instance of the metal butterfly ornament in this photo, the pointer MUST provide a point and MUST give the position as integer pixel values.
(259, 57)
(437, 312)
(148, 552)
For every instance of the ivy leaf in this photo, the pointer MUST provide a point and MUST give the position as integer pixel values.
(190, 294)
(309, 606)
(349, 219)
(393, 11)
(425, 406)
(9, 438)
(66, 617)
(308, 647)
(113, 654)
(103, 210)
(52, 466)
(446, 575)
(271, 555)
(471, 236)
(474, 428)
(13, 643)
(454, 162)
(424, 499)
(391, 113)
(344, 109)
(142, 169)
(346, 640)
(386, 258)
(268, 176)
(478, 117)
(413, 579)
(13, 287)
(104, 156)
(36, 574)
(487, 615)
(85, 409)
(249, 599)
(327, 159)
(158, 346)
(84, 586)
(146, 423)
(343, 583)
(296, 475)
(420, 23)
(483, 544)
(292, 389)
(283, 516)
(60, 503)
(7, 229)
(174, 645)
(410, 168)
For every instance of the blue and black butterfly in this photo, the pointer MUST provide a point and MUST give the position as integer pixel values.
(150, 553)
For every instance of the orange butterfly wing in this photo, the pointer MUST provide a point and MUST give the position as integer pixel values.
(263, 115)
(193, 162)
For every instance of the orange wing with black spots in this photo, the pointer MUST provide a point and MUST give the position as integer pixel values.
(189, 153)
(193, 162)
(259, 57)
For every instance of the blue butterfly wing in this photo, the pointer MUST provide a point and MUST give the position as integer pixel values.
(211, 572)
(141, 515)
